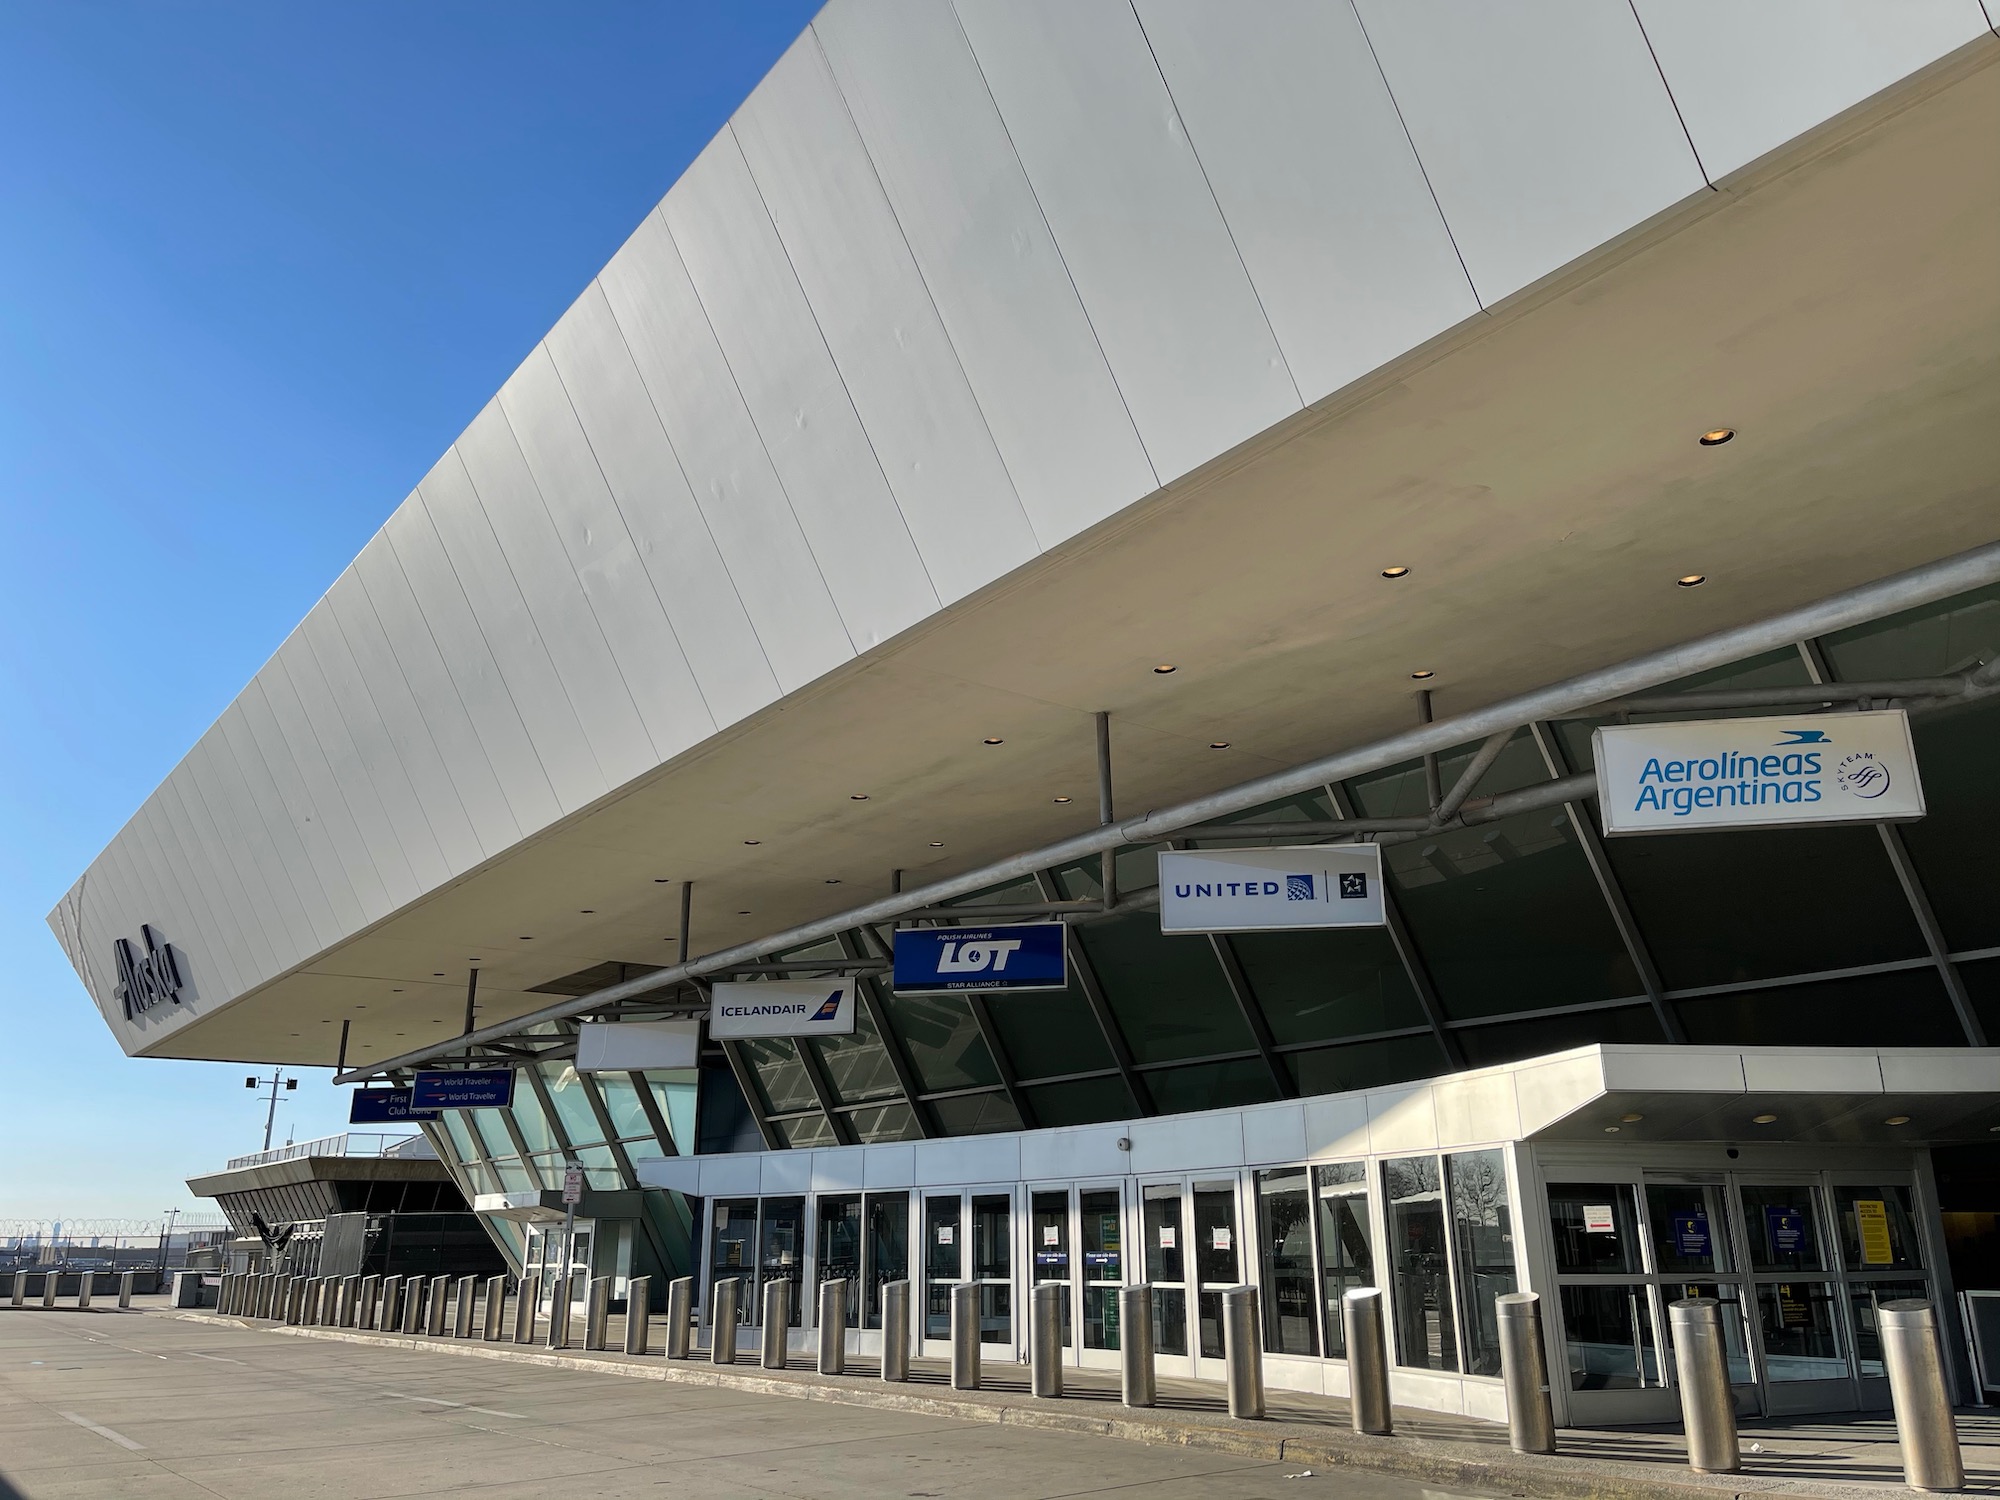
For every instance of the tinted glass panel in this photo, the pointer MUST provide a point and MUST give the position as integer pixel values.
(840, 1244)
(1166, 1260)
(1086, 1101)
(1168, 994)
(1595, 1226)
(975, 1114)
(1690, 1228)
(805, 1130)
(1953, 846)
(528, 1115)
(857, 1066)
(1211, 1086)
(942, 1039)
(1335, 1070)
(1413, 1191)
(1318, 986)
(621, 1102)
(780, 1076)
(884, 1122)
(1801, 1340)
(1866, 1299)
(1782, 1228)
(1509, 1041)
(1608, 1338)
(1099, 1213)
(566, 1093)
(1483, 1223)
(1345, 1255)
(781, 1251)
(888, 1247)
(1830, 1013)
(1284, 1238)
(1049, 1035)
(1877, 1232)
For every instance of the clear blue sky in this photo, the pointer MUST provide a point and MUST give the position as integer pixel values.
(259, 264)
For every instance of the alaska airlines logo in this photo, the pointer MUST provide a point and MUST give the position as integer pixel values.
(146, 979)
(977, 957)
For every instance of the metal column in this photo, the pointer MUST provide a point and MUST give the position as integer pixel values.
(1045, 1340)
(1243, 1351)
(722, 1320)
(1913, 1355)
(896, 1330)
(1135, 1338)
(1702, 1360)
(638, 1314)
(833, 1327)
(1367, 1360)
(680, 1316)
(597, 1313)
(777, 1318)
(1524, 1372)
(965, 1336)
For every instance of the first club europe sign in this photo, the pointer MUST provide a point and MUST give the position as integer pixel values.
(1695, 775)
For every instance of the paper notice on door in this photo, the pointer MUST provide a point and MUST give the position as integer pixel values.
(1872, 1216)
(1166, 1236)
(1051, 1234)
(947, 1233)
(1219, 1239)
(1597, 1219)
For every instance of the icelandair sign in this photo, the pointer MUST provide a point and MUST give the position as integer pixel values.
(782, 1007)
(1758, 773)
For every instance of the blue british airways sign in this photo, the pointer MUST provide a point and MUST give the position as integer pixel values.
(481, 1088)
(938, 960)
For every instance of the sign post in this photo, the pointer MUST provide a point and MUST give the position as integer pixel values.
(572, 1194)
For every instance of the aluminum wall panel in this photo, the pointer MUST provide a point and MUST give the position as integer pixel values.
(360, 723)
(758, 534)
(361, 638)
(470, 552)
(253, 864)
(193, 840)
(1747, 78)
(328, 801)
(560, 613)
(659, 511)
(164, 890)
(386, 629)
(988, 260)
(881, 327)
(467, 660)
(312, 824)
(604, 560)
(268, 804)
(1137, 224)
(796, 398)
(1301, 142)
(1543, 126)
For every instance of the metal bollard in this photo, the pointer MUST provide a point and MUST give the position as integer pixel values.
(1524, 1373)
(777, 1318)
(722, 1321)
(1045, 1341)
(49, 1283)
(370, 1297)
(465, 1307)
(896, 1330)
(415, 1290)
(833, 1327)
(20, 1287)
(680, 1316)
(225, 1290)
(350, 1301)
(530, 1295)
(295, 1300)
(125, 1289)
(440, 1290)
(597, 1313)
(1135, 1337)
(1367, 1360)
(392, 1304)
(1702, 1361)
(638, 1314)
(496, 1309)
(83, 1281)
(1243, 1351)
(1913, 1355)
(559, 1299)
(965, 1336)
(323, 1301)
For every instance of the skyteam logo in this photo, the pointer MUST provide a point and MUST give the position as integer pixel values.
(1863, 775)
(1299, 888)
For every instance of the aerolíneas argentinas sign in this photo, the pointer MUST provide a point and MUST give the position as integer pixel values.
(1019, 956)
(1271, 890)
(782, 1007)
(1758, 773)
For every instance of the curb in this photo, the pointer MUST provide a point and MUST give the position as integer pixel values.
(1429, 1459)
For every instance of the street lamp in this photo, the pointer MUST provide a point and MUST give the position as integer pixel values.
(270, 1115)
(167, 1235)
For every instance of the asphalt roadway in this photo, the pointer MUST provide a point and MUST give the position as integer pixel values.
(101, 1406)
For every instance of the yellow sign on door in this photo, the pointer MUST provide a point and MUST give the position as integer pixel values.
(1872, 1214)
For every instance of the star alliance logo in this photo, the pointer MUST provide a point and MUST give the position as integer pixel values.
(146, 979)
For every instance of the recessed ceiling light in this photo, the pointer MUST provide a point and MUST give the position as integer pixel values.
(743, 914)
(993, 739)
(588, 911)
(1897, 1120)
(1424, 675)
(1062, 799)
(751, 843)
(1715, 437)
(527, 940)
(1399, 571)
(1165, 667)
(1611, 1130)
(1631, 1119)
(834, 881)
(661, 880)
(937, 844)
(1218, 744)
(1691, 580)
(857, 796)
(1763, 1119)
(438, 974)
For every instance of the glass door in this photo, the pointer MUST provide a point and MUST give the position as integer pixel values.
(1100, 1219)
(1346, 1256)
(564, 1265)
(1692, 1241)
(944, 1255)
(1882, 1255)
(888, 1216)
(1218, 1264)
(1049, 1242)
(1163, 1241)
(992, 1262)
(839, 1256)
(1796, 1307)
(781, 1255)
(1611, 1333)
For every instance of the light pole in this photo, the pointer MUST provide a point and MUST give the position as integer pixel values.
(167, 1236)
(277, 1079)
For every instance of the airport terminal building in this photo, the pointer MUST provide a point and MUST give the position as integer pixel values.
(1311, 645)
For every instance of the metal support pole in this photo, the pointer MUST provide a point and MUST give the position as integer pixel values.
(1243, 1351)
(1108, 859)
(722, 1321)
(1913, 1354)
(1524, 1373)
(84, 1278)
(369, 1299)
(1367, 1360)
(965, 1336)
(391, 1311)
(777, 1317)
(896, 1330)
(125, 1289)
(680, 1316)
(524, 1310)
(1045, 1341)
(597, 1313)
(493, 1320)
(1701, 1359)
(833, 1327)
(559, 1300)
(638, 1314)
(1135, 1338)
(468, 1295)
(440, 1289)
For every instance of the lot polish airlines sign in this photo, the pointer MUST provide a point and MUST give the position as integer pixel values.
(1758, 773)
(781, 1007)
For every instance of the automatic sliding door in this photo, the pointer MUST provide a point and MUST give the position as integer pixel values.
(1216, 1259)
(1100, 1214)
(1048, 1232)
(943, 1254)
(992, 1258)
(1162, 1232)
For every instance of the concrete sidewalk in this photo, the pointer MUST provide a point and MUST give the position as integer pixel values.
(1853, 1457)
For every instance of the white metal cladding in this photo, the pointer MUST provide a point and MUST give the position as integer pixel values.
(958, 282)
